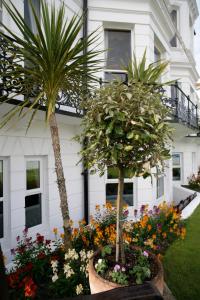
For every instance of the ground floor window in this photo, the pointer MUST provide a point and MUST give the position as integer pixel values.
(112, 185)
(34, 192)
(3, 197)
(176, 166)
(160, 186)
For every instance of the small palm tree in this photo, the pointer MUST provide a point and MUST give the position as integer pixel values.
(55, 61)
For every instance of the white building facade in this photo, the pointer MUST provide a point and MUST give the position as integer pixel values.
(165, 28)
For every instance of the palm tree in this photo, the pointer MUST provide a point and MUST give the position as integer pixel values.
(46, 63)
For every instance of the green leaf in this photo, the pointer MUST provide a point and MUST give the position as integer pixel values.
(128, 148)
(130, 135)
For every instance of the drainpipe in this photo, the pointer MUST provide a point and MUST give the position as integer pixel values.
(85, 170)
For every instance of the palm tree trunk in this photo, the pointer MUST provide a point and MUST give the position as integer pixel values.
(119, 238)
(60, 180)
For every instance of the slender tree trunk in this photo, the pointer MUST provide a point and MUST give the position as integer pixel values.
(119, 229)
(60, 180)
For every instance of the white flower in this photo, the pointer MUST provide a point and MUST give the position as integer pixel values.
(90, 253)
(79, 289)
(83, 255)
(68, 270)
(82, 268)
(54, 277)
(71, 254)
(99, 260)
(54, 264)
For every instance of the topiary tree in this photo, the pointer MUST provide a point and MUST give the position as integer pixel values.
(125, 128)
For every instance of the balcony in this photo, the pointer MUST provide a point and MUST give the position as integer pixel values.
(182, 108)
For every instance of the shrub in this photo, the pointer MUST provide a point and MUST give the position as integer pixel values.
(194, 181)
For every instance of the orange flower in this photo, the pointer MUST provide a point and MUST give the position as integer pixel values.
(97, 207)
(164, 235)
(62, 235)
(149, 227)
(154, 236)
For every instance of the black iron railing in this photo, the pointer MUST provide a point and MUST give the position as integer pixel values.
(182, 108)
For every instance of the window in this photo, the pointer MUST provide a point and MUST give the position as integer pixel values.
(112, 185)
(28, 15)
(118, 43)
(176, 166)
(160, 186)
(1, 11)
(173, 14)
(157, 54)
(4, 211)
(33, 199)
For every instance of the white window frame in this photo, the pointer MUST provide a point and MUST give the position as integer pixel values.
(179, 166)
(160, 176)
(126, 180)
(6, 205)
(116, 28)
(36, 191)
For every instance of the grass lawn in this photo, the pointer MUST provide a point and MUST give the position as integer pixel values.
(182, 262)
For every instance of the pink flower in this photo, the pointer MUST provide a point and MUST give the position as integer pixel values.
(145, 253)
(116, 268)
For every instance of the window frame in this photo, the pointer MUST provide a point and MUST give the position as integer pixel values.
(5, 199)
(119, 29)
(158, 195)
(35, 191)
(177, 25)
(1, 11)
(126, 180)
(178, 166)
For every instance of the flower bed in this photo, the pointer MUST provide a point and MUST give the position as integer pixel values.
(43, 270)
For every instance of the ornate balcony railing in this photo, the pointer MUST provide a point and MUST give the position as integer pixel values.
(182, 108)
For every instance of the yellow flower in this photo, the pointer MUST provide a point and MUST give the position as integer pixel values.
(62, 235)
(97, 207)
(55, 230)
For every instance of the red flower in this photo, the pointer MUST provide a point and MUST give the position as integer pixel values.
(40, 238)
(30, 287)
(13, 279)
(41, 255)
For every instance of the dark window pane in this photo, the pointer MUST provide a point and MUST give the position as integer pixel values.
(110, 76)
(176, 159)
(33, 210)
(28, 14)
(118, 44)
(173, 14)
(160, 186)
(1, 219)
(32, 175)
(176, 174)
(1, 178)
(113, 173)
(111, 193)
(157, 54)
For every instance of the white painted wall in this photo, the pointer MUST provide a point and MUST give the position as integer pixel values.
(16, 146)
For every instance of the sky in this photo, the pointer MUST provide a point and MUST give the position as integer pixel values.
(197, 40)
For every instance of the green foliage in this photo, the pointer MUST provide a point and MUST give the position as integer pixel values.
(101, 266)
(119, 277)
(55, 59)
(125, 127)
(140, 273)
(106, 250)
